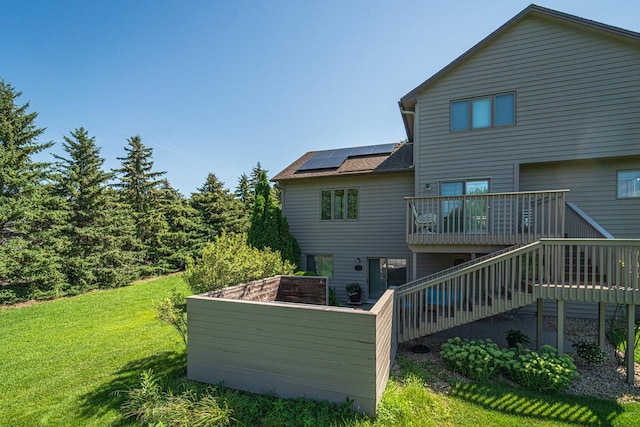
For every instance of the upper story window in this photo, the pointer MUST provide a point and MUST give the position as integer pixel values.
(339, 204)
(483, 112)
(628, 184)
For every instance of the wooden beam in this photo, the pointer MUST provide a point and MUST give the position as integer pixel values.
(601, 323)
(560, 337)
(631, 339)
(539, 325)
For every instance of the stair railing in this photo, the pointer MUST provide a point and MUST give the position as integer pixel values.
(595, 270)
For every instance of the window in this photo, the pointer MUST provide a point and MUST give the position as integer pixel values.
(628, 184)
(483, 112)
(321, 264)
(339, 204)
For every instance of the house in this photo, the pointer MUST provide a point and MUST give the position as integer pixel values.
(518, 149)
(547, 102)
(518, 186)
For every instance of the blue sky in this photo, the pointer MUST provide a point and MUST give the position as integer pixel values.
(216, 86)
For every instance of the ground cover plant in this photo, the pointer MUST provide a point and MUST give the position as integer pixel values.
(93, 359)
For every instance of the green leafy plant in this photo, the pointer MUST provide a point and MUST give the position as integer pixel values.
(617, 334)
(515, 337)
(333, 299)
(229, 261)
(590, 352)
(478, 360)
(353, 289)
(544, 371)
(173, 310)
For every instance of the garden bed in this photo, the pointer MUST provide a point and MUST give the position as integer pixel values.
(253, 337)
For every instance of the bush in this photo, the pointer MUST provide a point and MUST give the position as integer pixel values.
(230, 261)
(543, 372)
(515, 337)
(173, 310)
(478, 360)
(590, 352)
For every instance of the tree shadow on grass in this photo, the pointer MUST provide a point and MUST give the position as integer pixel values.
(565, 408)
(111, 394)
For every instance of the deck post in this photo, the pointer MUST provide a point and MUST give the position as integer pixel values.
(560, 332)
(414, 267)
(539, 323)
(601, 323)
(631, 339)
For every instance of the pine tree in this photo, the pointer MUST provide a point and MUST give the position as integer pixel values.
(139, 186)
(244, 192)
(99, 252)
(219, 210)
(182, 236)
(30, 213)
(269, 228)
(137, 179)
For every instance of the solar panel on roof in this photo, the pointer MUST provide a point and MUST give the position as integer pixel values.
(330, 159)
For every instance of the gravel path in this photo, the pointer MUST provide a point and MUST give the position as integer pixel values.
(605, 381)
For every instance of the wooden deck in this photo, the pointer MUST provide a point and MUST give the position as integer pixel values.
(491, 219)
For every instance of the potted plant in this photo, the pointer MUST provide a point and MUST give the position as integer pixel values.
(354, 291)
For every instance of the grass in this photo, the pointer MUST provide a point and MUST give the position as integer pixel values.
(64, 362)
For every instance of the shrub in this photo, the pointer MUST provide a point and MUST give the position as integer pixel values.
(590, 352)
(543, 372)
(478, 360)
(173, 310)
(515, 337)
(229, 261)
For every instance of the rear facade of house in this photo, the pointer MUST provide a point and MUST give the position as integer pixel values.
(533, 133)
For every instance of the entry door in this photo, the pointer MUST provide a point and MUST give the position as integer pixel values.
(385, 272)
(377, 277)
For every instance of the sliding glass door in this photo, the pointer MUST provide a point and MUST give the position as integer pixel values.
(464, 215)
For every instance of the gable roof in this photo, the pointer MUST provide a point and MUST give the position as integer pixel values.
(407, 102)
(398, 160)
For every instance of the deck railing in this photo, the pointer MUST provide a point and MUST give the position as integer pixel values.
(580, 225)
(595, 270)
(486, 219)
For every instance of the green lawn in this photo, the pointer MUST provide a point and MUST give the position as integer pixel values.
(64, 361)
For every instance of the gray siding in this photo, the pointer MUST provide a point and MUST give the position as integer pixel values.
(593, 189)
(292, 350)
(378, 232)
(577, 97)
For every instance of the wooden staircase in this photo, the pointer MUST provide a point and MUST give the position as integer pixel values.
(562, 269)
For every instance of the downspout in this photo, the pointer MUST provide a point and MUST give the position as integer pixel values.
(412, 113)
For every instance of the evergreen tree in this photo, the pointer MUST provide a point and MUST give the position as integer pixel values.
(219, 210)
(182, 236)
(139, 186)
(99, 249)
(29, 264)
(137, 179)
(269, 228)
(244, 192)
